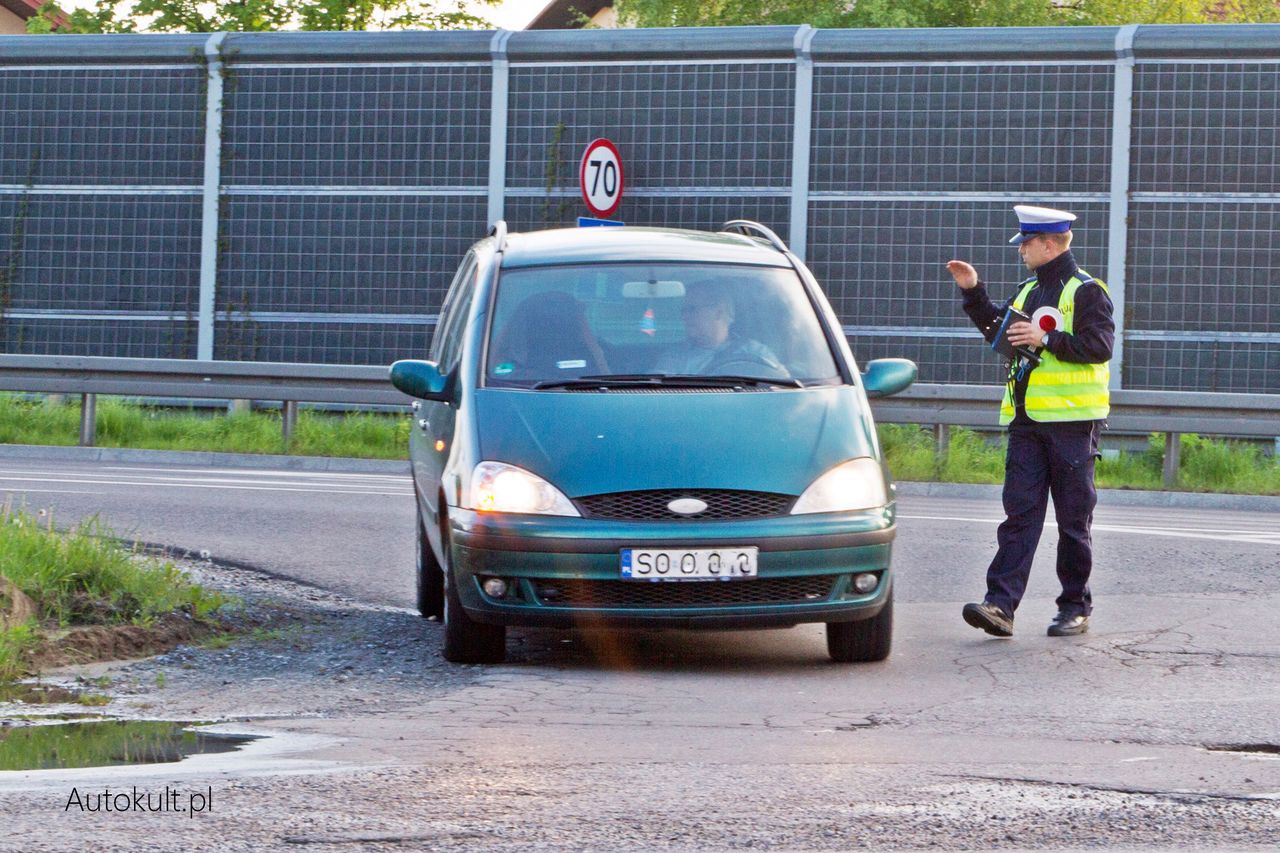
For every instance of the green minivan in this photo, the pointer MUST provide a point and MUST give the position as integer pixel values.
(631, 427)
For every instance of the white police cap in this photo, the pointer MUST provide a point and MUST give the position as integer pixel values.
(1034, 221)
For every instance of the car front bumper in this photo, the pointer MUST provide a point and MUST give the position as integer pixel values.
(566, 572)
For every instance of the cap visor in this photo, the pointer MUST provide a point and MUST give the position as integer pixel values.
(1021, 237)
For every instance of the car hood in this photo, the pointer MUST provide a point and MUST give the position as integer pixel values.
(594, 443)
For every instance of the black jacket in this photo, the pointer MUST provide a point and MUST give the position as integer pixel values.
(1094, 330)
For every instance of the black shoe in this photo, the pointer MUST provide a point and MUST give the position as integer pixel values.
(1068, 625)
(989, 618)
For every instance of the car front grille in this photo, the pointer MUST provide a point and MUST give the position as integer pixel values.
(658, 594)
(722, 504)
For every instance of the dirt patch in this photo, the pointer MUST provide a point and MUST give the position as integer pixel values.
(15, 606)
(93, 643)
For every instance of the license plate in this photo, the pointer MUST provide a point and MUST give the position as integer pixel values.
(689, 564)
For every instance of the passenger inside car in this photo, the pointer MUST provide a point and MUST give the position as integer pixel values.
(547, 334)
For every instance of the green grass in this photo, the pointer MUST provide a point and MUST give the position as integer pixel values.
(125, 424)
(1207, 465)
(83, 576)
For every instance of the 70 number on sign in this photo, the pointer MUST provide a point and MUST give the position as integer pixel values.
(601, 177)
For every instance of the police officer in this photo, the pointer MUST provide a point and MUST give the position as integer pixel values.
(1054, 411)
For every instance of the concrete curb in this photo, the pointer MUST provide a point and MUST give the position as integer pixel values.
(204, 459)
(208, 459)
(1110, 497)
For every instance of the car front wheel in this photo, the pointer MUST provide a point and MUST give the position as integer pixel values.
(466, 640)
(863, 641)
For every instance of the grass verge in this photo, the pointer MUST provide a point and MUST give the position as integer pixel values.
(124, 424)
(66, 580)
(1207, 465)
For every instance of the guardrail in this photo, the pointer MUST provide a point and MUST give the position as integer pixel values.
(1169, 412)
(942, 406)
(291, 384)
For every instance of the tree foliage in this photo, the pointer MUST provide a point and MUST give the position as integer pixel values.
(188, 16)
(943, 13)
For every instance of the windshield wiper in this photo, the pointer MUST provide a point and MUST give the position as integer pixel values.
(733, 379)
(683, 380)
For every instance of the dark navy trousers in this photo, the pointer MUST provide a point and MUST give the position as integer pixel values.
(1046, 459)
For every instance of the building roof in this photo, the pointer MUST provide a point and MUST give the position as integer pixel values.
(563, 14)
(24, 9)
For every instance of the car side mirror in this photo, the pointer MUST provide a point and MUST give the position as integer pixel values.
(886, 376)
(421, 379)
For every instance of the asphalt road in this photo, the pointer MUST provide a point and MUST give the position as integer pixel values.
(353, 533)
(1156, 730)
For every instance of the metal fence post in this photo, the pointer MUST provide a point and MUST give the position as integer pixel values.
(801, 137)
(289, 419)
(498, 126)
(1172, 454)
(212, 182)
(1118, 208)
(88, 419)
(942, 441)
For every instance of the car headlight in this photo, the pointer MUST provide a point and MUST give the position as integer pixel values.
(499, 487)
(853, 485)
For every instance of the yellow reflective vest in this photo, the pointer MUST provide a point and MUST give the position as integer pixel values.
(1062, 390)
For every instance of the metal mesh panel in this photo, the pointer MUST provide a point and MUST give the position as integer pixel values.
(320, 343)
(102, 126)
(720, 125)
(362, 254)
(389, 126)
(114, 338)
(1204, 267)
(104, 252)
(962, 128)
(964, 359)
(882, 265)
(1236, 366)
(1206, 128)
(704, 213)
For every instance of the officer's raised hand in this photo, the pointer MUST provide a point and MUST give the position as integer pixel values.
(964, 274)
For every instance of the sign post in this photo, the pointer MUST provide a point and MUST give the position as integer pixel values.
(601, 177)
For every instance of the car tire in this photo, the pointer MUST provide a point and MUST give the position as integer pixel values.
(863, 641)
(430, 577)
(466, 640)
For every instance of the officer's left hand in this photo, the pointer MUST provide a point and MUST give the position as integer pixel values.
(1023, 334)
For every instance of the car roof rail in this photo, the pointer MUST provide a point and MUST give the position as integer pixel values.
(499, 233)
(746, 226)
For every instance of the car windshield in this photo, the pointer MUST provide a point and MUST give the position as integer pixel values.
(566, 325)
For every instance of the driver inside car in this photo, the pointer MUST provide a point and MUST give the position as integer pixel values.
(710, 346)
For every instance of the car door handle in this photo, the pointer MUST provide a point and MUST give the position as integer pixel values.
(423, 424)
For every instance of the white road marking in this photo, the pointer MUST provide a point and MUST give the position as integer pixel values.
(334, 490)
(51, 491)
(1246, 536)
(262, 472)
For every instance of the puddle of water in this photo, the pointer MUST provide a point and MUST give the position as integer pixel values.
(37, 694)
(105, 743)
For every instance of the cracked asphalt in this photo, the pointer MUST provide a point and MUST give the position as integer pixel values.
(1155, 731)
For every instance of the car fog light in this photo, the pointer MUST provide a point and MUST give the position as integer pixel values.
(865, 582)
(494, 587)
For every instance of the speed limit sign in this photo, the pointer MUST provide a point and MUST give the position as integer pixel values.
(601, 177)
